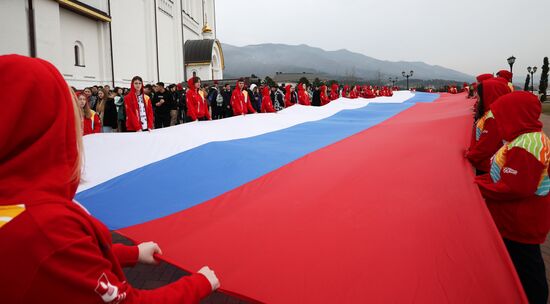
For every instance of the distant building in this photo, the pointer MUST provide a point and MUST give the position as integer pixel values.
(110, 41)
(293, 78)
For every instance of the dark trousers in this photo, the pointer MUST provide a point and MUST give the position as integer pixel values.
(529, 265)
(162, 120)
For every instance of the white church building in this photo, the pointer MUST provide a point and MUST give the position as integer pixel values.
(109, 41)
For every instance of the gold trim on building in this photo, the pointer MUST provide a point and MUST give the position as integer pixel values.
(84, 10)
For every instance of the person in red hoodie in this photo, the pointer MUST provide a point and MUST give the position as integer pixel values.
(345, 92)
(53, 250)
(267, 104)
(303, 96)
(334, 94)
(486, 139)
(291, 97)
(90, 120)
(139, 110)
(516, 189)
(354, 94)
(324, 96)
(197, 107)
(240, 102)
(506, 75)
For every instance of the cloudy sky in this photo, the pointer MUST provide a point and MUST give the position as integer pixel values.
(471, 36)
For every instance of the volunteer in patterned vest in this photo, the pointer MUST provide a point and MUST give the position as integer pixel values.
(138, 107)
(506, 75)
(90, 120)
(197, 107)
(516, 189)
(486, 139)
(52, 250)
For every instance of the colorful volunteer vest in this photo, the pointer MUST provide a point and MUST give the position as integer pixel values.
(8, 213)
(480, 125)
(536, 143)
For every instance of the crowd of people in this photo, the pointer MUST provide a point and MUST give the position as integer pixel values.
(146, 107)
(511, 155)
(64, 253)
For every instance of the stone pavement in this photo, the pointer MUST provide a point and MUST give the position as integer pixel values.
(149, 277)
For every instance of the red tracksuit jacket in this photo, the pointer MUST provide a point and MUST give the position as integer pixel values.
(267, 104)
(51, 250)
(91, 125)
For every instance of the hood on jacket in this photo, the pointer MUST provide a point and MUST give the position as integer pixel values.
(39, 153)
(517, 113)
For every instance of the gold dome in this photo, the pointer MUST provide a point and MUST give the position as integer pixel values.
(206, 29)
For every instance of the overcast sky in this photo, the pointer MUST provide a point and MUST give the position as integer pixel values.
(471, 36)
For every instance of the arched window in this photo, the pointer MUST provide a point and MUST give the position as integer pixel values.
(79, 54)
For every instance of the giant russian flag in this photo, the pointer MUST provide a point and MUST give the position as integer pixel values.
(359, 201)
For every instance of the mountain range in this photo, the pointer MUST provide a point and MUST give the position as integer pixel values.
(267, 59)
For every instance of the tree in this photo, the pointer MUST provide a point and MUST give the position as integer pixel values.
(317, 82)
(543, 85)
(304, 80)
(269, 81)
(527, 81)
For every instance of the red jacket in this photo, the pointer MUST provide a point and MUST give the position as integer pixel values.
(334, 94)
(53, 251)
(486, 139)
(91, 125)
(354, 93)
(324, 98)
(303, 96)
(267, 104)
(516, 190)
(240, 103)
(133, 121)
(197, 107)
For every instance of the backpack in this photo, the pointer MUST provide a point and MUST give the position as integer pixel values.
(219, 100)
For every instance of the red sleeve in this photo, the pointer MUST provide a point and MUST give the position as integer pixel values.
(127, 255)
(207, 111)
(132, 116)
(249, 107)
(97, 124)
(519, 177)
(81, 273)
(488, 144)
(234, 104)
(191, 110)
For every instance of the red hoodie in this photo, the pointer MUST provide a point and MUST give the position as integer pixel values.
(90, 125)
(52, 250)
(486, 139)
(482, 77)
(240, 103)
(267, 104)
(324, 98)
(334, 94)
(303, 96)
(345, 91)
(354, 93)
(288, 96)
(197, 107)
(516, 190)
(133, 121)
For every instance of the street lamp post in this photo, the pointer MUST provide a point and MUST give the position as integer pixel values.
(511, 61)
(532, 71)
(393, 81)
(407, 76)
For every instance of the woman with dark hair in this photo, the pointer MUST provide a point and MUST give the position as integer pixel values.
(197, 107)
(486, 139)
(138, 108)
(107, 110)
(53, 250)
